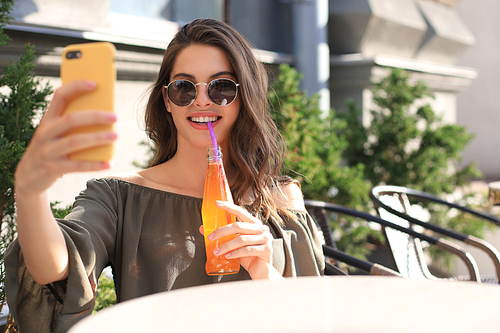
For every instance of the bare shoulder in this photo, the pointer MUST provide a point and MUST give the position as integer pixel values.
(151, 177)
(290, 196)
(131, 177)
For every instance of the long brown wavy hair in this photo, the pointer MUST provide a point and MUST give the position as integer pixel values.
(256, 146)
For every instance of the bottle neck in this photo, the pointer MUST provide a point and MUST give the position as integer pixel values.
(214, 155)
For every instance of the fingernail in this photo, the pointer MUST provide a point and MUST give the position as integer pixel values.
(111, 116)
(228, 255)
(211, 237)
(105, 165)
(217, 250)
(90, 84)
(112, 135)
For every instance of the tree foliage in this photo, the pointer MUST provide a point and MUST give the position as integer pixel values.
(407, 143)
(106, 294)
(315, 144)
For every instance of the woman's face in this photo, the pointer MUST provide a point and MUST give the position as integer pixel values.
(202, 63)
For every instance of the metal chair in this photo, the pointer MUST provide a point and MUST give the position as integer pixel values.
(318, 210)
(393, 204)
(319, 215)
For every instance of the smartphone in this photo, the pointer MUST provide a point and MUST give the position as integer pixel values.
(94, 62)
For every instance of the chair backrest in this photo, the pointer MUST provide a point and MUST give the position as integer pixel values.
(438, 242)
(393, 203)
(319, 216)
(406, 251)
(319, 211)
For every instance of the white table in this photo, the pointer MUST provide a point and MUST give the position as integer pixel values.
(313, 304)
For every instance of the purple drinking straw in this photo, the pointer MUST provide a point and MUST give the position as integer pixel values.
(214, 140)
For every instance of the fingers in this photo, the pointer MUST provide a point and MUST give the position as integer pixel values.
(61, 125)
(253, 238)
(239, 228)
(252, 245)
(66, 93)
(49, 143)
(53, 128)
(46, 157)
(35, 173)
(77, 142)
(66, 166)
(247, 246)
(238, 211)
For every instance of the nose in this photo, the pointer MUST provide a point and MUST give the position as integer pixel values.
(202, 99)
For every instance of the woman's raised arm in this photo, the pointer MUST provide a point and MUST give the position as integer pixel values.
(44, 161)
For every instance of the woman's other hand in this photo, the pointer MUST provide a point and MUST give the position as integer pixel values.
(252, 245)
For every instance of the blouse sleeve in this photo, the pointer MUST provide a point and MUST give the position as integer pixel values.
(89, 231)
(303, 249)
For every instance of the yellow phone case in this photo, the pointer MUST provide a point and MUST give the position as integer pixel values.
(94, 62)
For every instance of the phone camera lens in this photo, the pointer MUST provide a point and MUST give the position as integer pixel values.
(73, 55)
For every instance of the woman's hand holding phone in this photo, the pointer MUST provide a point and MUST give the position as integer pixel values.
(47, 155)
(44, 161)
(76, 133)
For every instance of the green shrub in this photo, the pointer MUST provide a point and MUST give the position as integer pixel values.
(316, 142)
(106, 295)
(408, 144)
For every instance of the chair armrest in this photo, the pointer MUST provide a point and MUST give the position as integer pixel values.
(464, 255)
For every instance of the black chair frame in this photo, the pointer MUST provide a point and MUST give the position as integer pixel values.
(403, 194)
(438, 242)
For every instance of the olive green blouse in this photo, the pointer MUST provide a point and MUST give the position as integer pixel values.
(151, 240)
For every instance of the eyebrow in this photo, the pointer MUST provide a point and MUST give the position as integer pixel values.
(211, 76)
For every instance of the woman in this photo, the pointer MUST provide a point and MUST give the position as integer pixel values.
(146, 225)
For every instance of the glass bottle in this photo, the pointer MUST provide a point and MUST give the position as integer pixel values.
(216, 188)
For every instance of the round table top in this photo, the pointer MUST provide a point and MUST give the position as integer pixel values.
(309, 304)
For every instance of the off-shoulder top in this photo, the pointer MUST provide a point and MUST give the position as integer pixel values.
(151, 240)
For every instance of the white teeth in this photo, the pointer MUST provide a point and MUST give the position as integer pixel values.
(203, 119)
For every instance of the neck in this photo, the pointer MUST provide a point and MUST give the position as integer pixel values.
(187, 169)
(190, 166)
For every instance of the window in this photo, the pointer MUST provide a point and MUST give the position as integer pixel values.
(180, 11)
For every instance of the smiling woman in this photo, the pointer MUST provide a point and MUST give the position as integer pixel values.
(146, 224)
(201, 100)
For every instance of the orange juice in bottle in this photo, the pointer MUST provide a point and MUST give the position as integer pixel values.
(216, 188)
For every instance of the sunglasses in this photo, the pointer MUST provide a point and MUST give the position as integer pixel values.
(220, 91)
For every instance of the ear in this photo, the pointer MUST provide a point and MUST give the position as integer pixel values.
(165, 99)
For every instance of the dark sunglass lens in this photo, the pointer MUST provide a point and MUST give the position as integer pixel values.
(181, 92)
(222, 91)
